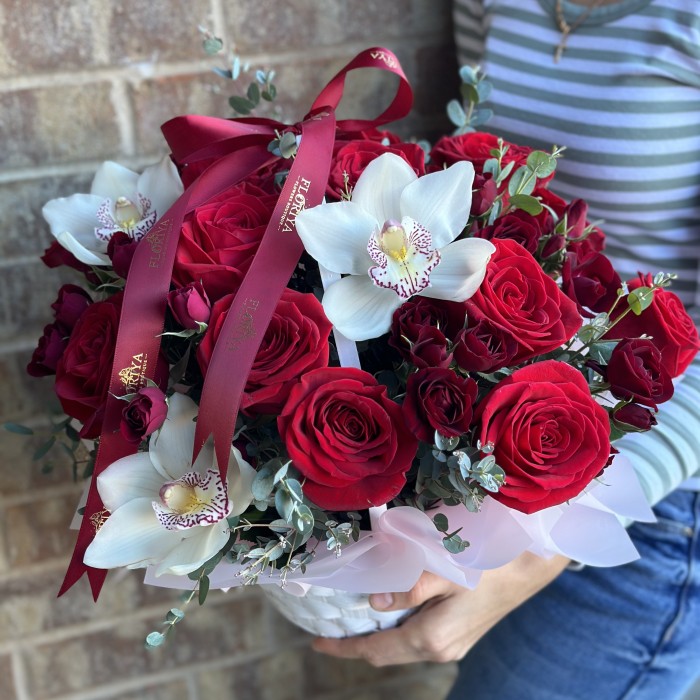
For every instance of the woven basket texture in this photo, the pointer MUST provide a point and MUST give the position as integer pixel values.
(328, 612)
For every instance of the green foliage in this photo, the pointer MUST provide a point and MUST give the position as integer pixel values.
(474, 91)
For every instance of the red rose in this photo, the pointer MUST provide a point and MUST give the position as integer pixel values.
(190, 305)
(475, 147)
(438, 399)
(83, 372)
(120, 250)
(220, 238)
(484, 193)
(669, 325)
(484, 347)
(591, 282)
(517, 226)
(347, 438)
(548, 433)
(430, 349)
(634, 418)
(352, 158)
(419, 312)
(144, 414)
(68, 307)
(296, 341)
(519, 297)
(636, 372)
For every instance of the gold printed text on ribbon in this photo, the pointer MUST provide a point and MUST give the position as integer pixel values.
(245, 327)
(133, 377)
(156, 240)
(295, 204)
(383, 56)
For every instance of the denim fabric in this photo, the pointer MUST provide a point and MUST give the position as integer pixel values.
(624, 633)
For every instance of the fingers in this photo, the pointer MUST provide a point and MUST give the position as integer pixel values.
(428, 586)
(379, 649)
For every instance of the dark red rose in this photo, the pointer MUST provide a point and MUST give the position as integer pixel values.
(475, 147)
(667, 322)
(419, 312)
(351, 158)
(190, 305)
(430, 349)
(120, 250)
(56, 256)
(68, 307)
(575, 214)
(220, 238)
(591, 282)
(636, 372)
(520, 298)
(438, 399)
(83, 372)
(347, 438)
(484, 346)
(484, 193)
(549, 435)
(48, 352)
(632, 417)
(517, 226)
(594, 242)
(143, 415)
(296, 341)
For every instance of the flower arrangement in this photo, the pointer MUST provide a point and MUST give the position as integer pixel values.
(446, 357)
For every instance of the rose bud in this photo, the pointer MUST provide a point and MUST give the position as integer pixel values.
(484, 348)
(145, 413)
(190, 305)
(120, 250)
(516, 226)
(634, 418)
(636, 371)
(576, 213)
(590, 281)
(48, 352)
(484, 194)
(69, 306)
(430, 349)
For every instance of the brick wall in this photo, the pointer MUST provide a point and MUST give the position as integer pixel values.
(82, 81)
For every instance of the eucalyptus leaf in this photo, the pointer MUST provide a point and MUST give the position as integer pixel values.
(521, 182)
(236, 67)
(154, 639)
(444, 443)
(241, 104)
(17, 428)
(455, 113)
(43, 449)
(481, 116)
(454, 544)
(541, 163)
(212, 45)
(174, 615)
(263, 484)
(441, 523)
(528, 204)
(469, 93)
(600, 352)
(640, 299)
(253, 93)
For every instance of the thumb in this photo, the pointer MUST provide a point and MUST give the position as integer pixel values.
(428, 586)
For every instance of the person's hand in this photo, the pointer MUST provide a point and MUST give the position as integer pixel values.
(452, 618)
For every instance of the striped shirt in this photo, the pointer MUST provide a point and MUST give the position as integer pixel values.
(625, 101)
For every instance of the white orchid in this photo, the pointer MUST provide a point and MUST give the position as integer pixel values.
(119, 200)
(394, 239)
(164, 511)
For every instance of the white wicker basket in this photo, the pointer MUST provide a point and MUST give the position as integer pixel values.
(328, 612)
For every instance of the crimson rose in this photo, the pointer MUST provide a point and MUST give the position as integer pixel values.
(190, 305)
(352, 158)
(347, 438)
(636, 372)
(591, 282)
(144, 414)
(549, 435)
(296, 341)
(520, 298)
(475, 147)
(667, 323)
(83, 373)
(220, 238)
(438, 399)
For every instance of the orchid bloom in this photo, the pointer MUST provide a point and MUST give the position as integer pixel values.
(119, 200)
(164, 511)
(394, 239)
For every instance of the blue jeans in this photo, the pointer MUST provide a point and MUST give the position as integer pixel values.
(624, 633)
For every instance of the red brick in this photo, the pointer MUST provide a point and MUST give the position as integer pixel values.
(209, 633)
(24, 231)
(25, 32)
(57, 124)
(299, 24)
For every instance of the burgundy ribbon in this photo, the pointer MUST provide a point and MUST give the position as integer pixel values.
(239, 147)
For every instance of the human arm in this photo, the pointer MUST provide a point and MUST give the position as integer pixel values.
(452, 618)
